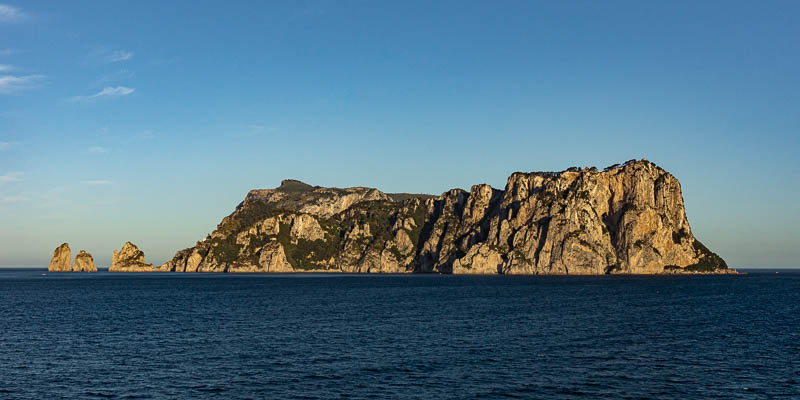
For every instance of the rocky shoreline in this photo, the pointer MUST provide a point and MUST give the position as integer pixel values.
(626, 219)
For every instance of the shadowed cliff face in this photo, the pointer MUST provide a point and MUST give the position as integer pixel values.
(627, 219)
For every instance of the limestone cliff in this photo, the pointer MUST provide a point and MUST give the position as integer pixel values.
(627, 218)
(130, 259)
(84, 262)
(62, 259)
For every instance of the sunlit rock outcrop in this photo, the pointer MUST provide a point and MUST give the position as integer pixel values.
(130, 259)
(628, 218)
(62, 259)
(84, 262)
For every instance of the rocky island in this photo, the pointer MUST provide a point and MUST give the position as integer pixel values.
(84, 262)
(62, 259)
(129, 259)
(627, 218)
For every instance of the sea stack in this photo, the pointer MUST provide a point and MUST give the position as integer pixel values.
(62, 259)
(84, 262)
(129, 259)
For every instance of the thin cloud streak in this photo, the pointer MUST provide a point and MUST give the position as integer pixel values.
(98, 149)
(119, 55)
(120, 75)
(5, 68)
(9, 177)
(13, 83)
(4, 146)
(107, 91)
(255, 129)
(10, 13)
(115, 91)
(102, 56)
(13, 199)
(97, 182)
(163, 61)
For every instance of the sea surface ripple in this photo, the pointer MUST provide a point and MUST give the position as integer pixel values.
(187, 336)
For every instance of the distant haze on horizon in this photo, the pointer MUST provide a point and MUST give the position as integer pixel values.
(149, 121)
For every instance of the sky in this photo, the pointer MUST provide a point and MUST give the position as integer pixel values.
(149, 121)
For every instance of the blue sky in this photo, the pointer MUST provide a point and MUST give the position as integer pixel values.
(149, 121)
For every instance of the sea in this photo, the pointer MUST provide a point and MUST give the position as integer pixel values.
(187, 336)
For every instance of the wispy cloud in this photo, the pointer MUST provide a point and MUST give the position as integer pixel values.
(13, 83)
(163, 61)
(120, 75)
(104, 55)
(5, 68)
(97, 182)
(10, 13)
(7, 52)
(98, 149)
(13, 199)
(4, 145)
(107, 91)
(255, 129)
(9, 177)
(115, 91)
(118, 55)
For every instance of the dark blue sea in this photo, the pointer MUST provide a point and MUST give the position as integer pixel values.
(188, 336)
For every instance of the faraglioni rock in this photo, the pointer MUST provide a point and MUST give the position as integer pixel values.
(627, 218)
(84, 262)
(62, 259)
(129, 259)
